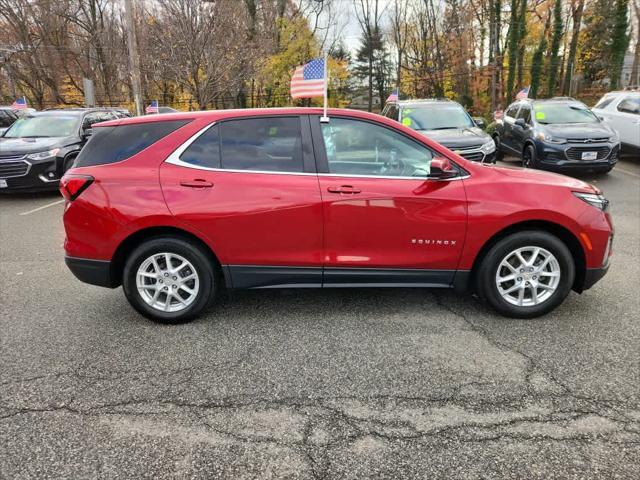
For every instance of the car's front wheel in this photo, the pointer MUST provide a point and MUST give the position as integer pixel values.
(529, 157)
(526, 274)
(169, 279)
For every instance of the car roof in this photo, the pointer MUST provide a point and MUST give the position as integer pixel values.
(420, 102)
(214, 115)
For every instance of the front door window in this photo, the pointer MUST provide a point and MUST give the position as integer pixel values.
(362, 148)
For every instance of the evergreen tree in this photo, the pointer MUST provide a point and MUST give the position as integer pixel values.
(620, 41)
(538, 60)
(512, 48)
(552, 79)
(522, 22)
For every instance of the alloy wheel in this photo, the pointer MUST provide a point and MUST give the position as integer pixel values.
(167, 282)
(528, 276)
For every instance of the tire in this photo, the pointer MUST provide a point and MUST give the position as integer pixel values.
(67, 163)
(508, 304)
(195, 260)
(529, 157)
(499, 155)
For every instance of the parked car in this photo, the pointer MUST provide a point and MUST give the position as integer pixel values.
(177, 207)
(558, 134)
(37, 149)
(7, 118)
(621, 110)
(446, 122)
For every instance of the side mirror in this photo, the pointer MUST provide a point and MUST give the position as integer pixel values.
(441, 168)
(480, 123)
(520, 122)
(87, 131)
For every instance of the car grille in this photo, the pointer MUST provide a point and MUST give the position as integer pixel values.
(470, 153)
(588, 140)
(13, 167)
(575, 153)
(473, 156)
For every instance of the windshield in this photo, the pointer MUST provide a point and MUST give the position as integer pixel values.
(44, 126)
(436, 118)
(548, 113)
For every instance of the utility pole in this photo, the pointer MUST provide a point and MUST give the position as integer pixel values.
(134, 60)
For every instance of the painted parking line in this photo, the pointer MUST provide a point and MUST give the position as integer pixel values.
(633, 174)
(57, 202)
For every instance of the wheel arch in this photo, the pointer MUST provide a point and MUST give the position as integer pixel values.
(565, 235)
(140, 236)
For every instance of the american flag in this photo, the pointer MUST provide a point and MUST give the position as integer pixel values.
(394, 96)
(153, 107)
(19, 104)
(308, 80)
(524, 93)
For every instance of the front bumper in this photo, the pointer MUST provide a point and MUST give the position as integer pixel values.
(568, 156)
(93, 272)
(593, 275)
(21, 174)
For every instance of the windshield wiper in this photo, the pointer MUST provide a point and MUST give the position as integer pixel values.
(445, 128)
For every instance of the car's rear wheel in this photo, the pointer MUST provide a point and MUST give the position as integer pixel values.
(526, 274)
(169, 280)
(529, 157)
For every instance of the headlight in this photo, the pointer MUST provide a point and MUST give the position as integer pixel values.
(614, 138)
(488, 147)
(545, 137)
(43, 155)
(594, 199)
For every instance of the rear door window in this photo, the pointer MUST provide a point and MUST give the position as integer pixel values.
(205, 150)
(272, 144)
(113, 144)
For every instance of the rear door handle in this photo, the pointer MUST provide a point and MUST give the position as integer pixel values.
(197, 183)
(348, 189)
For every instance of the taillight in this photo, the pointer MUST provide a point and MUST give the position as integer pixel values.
(71, 186)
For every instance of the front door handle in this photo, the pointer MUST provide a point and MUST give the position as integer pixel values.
(197, 183)
(346, 189)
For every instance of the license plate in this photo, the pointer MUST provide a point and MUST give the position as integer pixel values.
(589, 155)
(3, 183)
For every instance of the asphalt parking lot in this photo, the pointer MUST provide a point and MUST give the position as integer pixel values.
(314, 384)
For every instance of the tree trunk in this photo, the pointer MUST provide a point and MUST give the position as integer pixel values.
(573, 46)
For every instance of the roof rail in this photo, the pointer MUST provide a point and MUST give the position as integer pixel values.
(562, 98)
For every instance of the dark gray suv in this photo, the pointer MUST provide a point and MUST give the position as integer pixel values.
(446, 122)
(558, 134)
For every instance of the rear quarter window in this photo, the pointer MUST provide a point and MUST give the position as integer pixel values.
(114, 144)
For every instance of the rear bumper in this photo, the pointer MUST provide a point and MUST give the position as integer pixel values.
(93, 272)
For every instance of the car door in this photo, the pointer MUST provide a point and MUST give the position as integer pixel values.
(519, 133)
(627, 120)
(385, 222)
(249, 186)
(508, 120)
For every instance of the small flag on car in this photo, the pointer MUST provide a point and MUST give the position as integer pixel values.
(308, 80)
(524, 93)
(394, 96)
(152, 107)
(19, 104)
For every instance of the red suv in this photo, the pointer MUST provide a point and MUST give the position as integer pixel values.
(176, 207)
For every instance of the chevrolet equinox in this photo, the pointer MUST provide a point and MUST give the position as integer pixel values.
(177, 207)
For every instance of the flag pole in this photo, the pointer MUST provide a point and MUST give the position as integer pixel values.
(324, 118)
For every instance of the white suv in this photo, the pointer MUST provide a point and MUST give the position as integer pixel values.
(621, 110)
